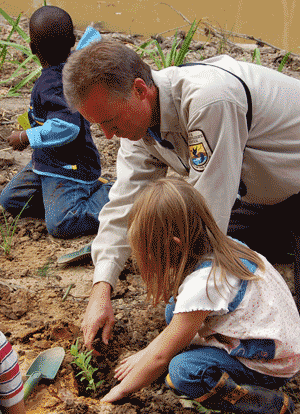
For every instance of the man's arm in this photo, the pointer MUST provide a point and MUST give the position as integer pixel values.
(110, 249)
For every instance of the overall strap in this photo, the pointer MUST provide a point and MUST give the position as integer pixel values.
(243, 286)
(248, 95)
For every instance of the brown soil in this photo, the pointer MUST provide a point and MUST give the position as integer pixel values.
(32, 284)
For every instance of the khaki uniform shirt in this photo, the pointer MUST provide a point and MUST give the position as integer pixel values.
(203, 115)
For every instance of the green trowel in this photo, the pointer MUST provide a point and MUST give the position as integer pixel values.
(45, 365)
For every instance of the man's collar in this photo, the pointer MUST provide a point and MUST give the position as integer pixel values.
(169, 121)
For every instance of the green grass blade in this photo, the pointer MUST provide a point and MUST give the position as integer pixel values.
(12, 91)
(15, 26)
(21, 48)
(256, 56)
(4, 48)
(186, 44)
(20, 67)
(143, 47)
(283, 62)
(161, 53)
(171, 55)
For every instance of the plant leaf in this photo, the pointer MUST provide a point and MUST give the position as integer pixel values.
(15, 26)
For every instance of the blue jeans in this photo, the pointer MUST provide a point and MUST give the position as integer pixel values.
(198, 369)
(69, 208)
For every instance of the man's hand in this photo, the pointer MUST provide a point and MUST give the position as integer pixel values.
(18, 140)
(99, 314)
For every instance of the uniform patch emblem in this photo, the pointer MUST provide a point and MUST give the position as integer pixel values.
(200, 153)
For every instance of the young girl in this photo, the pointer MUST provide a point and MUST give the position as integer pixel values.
(233, 333)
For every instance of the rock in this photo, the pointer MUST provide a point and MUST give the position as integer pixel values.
(6, 159)
(2, 179)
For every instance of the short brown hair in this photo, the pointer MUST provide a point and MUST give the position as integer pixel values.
(169, 208)
(106, 63)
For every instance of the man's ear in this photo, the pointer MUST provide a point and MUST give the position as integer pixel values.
(140, 88)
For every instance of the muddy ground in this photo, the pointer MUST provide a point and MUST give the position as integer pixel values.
(33, 314)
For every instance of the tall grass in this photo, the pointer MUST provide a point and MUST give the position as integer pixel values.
(24, 68)
(175, 56)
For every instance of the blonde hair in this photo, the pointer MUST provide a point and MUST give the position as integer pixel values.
(168, 208)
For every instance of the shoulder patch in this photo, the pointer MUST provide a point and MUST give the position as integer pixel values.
(200, 153)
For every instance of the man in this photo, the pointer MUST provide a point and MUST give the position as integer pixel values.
(224, 125)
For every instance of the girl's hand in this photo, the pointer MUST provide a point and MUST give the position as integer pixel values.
(125, 367)
(128, 364)
(115, 394)
(141, 369)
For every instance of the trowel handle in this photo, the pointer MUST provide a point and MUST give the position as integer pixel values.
(31, 383)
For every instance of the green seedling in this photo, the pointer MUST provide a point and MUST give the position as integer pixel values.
(202, 409)
(23, 67)
(283, 62)
(256, 56)
(45, 271)
(175, 56)
(82, 360)
(8, 230)
(257, 60)
(187, 403)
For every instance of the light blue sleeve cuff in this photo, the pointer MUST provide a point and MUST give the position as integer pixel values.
(53, 133)
(90, 35)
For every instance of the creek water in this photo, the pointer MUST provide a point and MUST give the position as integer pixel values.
(275, 22)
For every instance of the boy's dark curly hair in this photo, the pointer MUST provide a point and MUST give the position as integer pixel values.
(52, 34)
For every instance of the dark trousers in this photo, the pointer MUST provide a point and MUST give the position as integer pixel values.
(272, 230)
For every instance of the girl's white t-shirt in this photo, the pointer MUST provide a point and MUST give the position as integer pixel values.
(263, 331)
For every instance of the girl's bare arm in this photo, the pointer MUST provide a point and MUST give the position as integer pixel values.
(141, 369)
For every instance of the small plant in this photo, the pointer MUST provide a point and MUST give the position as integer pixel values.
(8, 230)
(256, 59)
(187, 403)
(283, 62)
(174, 57)
(82, 360)
(45, 271)
(256, 56)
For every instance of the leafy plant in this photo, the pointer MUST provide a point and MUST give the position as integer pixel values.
(175, 56)
(22, 68)
(8, 230)
(82, 360)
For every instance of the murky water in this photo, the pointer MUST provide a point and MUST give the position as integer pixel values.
(276, 21)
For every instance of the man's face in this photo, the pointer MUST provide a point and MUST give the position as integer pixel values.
(128, 117)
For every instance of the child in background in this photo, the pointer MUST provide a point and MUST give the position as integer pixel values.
(232, 325)
(61, 183)
(11, 385)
